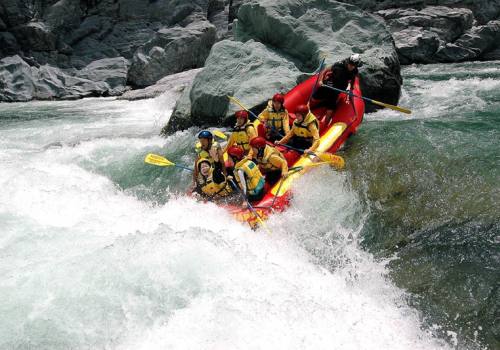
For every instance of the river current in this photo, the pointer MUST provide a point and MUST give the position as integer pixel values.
(399, 251)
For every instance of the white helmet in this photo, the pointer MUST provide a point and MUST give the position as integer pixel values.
(355, 59)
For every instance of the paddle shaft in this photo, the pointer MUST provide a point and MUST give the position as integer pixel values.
(252, 209)
(317, 78)
(350, 93)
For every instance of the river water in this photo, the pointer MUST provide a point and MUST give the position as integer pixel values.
(400, 251)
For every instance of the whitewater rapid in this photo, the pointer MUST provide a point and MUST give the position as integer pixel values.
(91, 258)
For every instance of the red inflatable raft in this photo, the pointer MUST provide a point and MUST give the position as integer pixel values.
(346, 120)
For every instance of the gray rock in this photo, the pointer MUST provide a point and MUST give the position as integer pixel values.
(110, 71)
(218, 15)
(35, 36)
(415, 45)
(484, 10)
(234, 6)
(291, 37)
(8, 44)
(17, 12)
(173, 85)
(15, 80)
(492, 55)
(166, 11)
(448, 23)
(472, 44)
(250, 71)
(20, 82)
(64, 15)
(90, 25)
(171, 51)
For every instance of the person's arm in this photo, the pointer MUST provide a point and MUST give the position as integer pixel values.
(322, 75)
(217, 176)
(315, 134)
(279, 162)
(220, 158)
(286, 123)
(243, 184)
(230, 142)
(251, 132)
(285, 138)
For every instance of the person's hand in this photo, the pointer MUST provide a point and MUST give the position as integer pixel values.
(277, 142)
(309, 152)
(244, 204)
(214, 154)
(284, 174)
(320, 83)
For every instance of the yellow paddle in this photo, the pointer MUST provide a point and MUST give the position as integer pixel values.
(220, 134)
(396, 108)
(158, 160)
(252, 209)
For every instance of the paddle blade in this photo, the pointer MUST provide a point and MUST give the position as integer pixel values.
(155, 159)
(396, 108)
(333, 159)
(220, 134)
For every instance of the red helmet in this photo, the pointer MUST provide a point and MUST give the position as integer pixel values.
(302, 109)
(279, 98)
(242, 114)
(236, 152)
(258, 142)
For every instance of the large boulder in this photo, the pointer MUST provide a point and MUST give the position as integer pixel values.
(21, 82)
(171, 51)
(16, 82)
(110, 71)
(248, 70)
(173, 85)
(281, 42)
(416, 45)
(35, 36)
(483, 10)
(448, 23)
(472, 44)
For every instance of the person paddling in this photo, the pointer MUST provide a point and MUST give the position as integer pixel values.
(304, 133)
(243, 132)
(247, 174)
(275, 118)
(207, 149)
(271, 162)
(340, 75)
(211, 183)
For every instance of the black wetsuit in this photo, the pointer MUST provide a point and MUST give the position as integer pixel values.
(339, 78)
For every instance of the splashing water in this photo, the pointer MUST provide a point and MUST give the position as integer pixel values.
(99, 250)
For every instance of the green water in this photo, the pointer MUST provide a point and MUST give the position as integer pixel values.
(432, 186)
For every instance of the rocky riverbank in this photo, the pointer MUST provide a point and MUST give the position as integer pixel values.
(70, 49)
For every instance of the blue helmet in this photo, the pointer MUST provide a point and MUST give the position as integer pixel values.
(205, 134)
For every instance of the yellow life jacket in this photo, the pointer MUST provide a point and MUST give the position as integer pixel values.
(204, 154)
(210, 188)
(275, 118)
(241, 136)
(265, 163)
(255, 180)
(302, 129)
